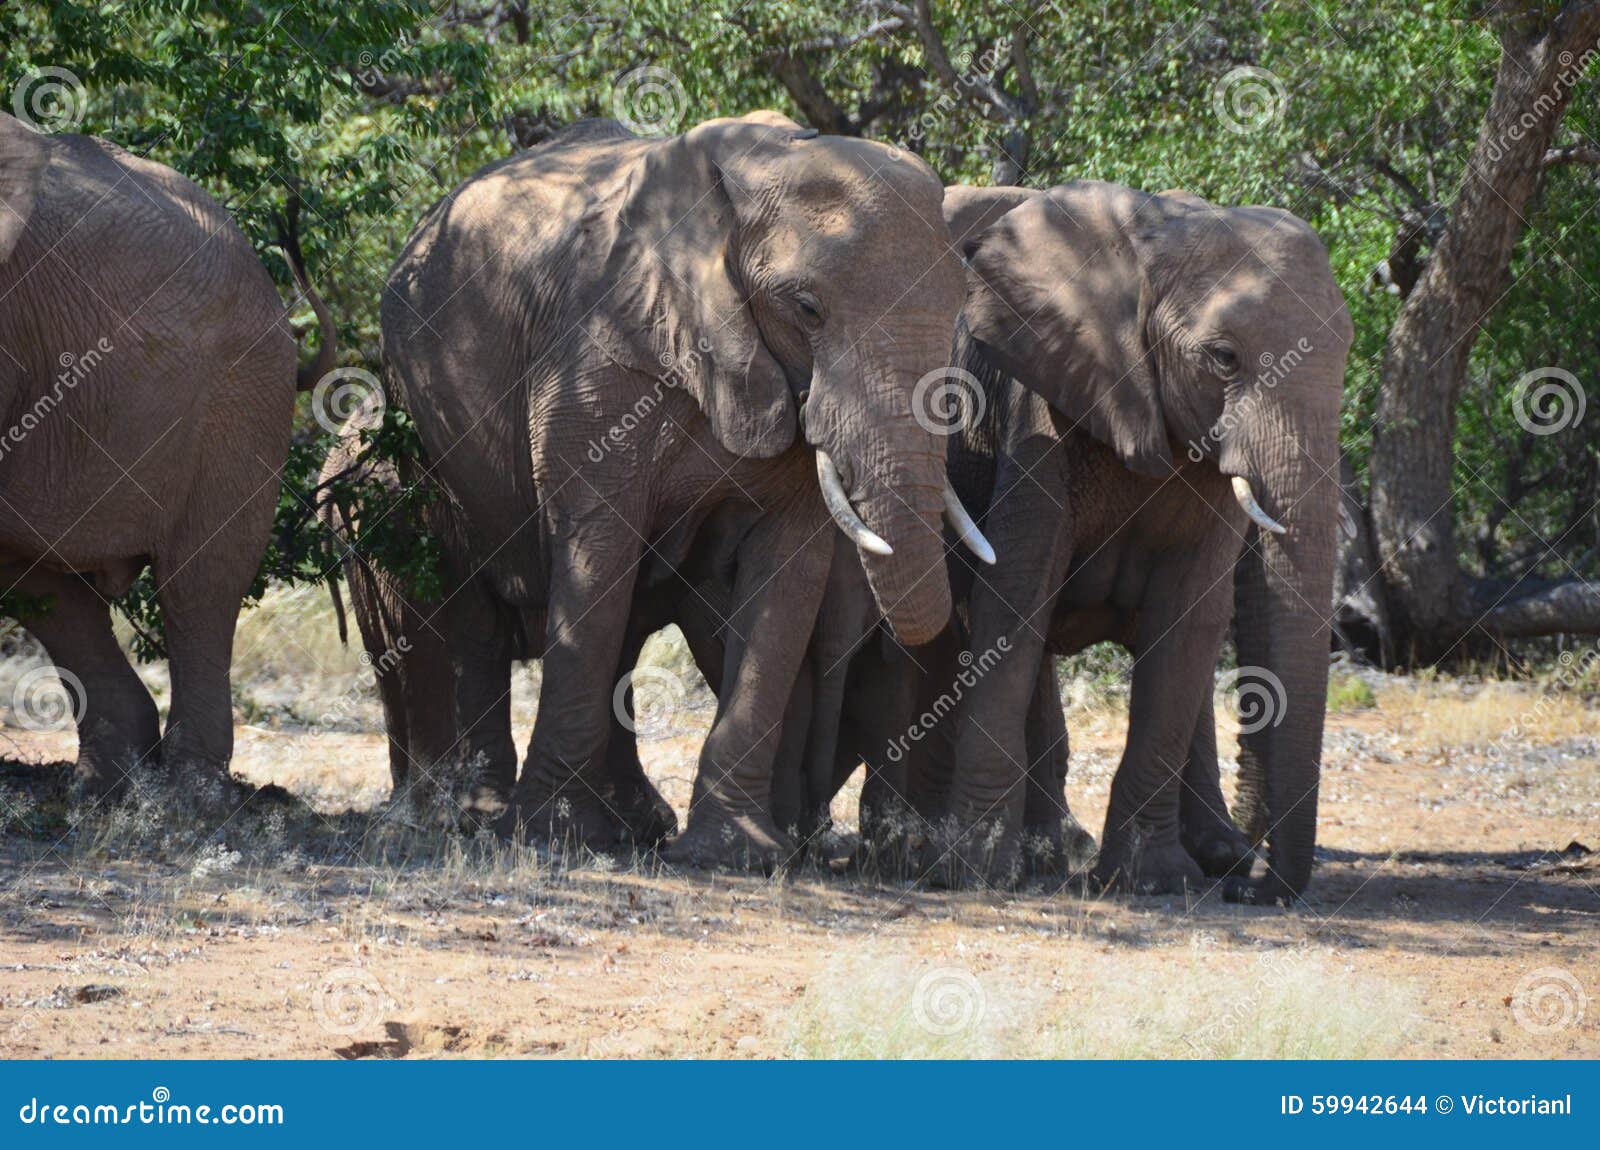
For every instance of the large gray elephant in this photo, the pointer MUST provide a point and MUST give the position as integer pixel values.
(147, 382)
(1183, 366)
(608, 343)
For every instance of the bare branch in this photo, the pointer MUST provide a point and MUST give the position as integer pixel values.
(991, 102)
(1023, 66)
(811, 97)
(835, 41)
(1572, 154)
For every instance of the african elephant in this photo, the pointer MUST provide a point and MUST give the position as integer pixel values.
(147, 385)
(1184, 367)
(607, 341)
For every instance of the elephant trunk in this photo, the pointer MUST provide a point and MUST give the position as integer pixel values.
(881, 471)
(1282, 592)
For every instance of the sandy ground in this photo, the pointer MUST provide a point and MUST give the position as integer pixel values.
(1448, 918)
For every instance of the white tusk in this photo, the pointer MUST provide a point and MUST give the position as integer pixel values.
(965, 527)
(844, 515)
(1247, 500)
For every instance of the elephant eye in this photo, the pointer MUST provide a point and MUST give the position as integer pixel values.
(1225, 359)
(810, 309)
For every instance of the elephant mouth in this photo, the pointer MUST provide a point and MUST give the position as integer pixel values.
(870, 542)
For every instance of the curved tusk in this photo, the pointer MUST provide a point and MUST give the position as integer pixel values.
(965, 527)
(844, 515)
(1247, 500)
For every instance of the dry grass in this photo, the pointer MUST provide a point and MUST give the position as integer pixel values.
(1449, 715)
(1298, 1002)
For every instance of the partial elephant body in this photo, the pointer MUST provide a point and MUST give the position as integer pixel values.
(146, 387)
(606, 343)
(1186, 364)
(402, 632)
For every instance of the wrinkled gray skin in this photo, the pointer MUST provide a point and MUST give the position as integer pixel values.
(851, 695)
(539, 307)
(161, 446)
(1142, 325)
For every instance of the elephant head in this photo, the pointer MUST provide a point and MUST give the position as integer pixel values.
(1169, 327)
(801, 284)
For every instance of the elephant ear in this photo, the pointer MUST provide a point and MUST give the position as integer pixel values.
(970, 211)
(676, 308)
(1057, 297)
(24, 155)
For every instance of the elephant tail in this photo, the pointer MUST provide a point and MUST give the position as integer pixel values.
(338, 610)
(328, 344)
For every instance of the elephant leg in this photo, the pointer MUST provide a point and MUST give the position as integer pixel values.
(1056, 840)
(1181, 626)
(417, 679)
(564, 791)
(200, 610)
(647, 818)
(891, 829)
(980, 838)
(781, 573)
(410, 666)
(1207, 832)
(118, 728)
(477, 635)
(701, 629)
(790, 793)
(822, 742)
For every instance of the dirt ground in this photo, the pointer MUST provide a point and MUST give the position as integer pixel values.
(1455, 913)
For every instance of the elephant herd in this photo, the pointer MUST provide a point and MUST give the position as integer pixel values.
(880, 448)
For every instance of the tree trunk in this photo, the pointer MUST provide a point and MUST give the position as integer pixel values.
(1361, 612)
(1425, 358)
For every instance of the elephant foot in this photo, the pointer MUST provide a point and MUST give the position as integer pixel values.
(206, 789)
(982, 853)
(817, 841)
(1218, 847)
(647, 819)
(1267, 891)
(892, 837)
(890, 852)
(716, 837)
(1078, 845)
(1136, 865)
(558, 821)
(99, 775)
(1058, 848)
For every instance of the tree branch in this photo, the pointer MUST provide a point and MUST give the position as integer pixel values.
(1572, 154)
